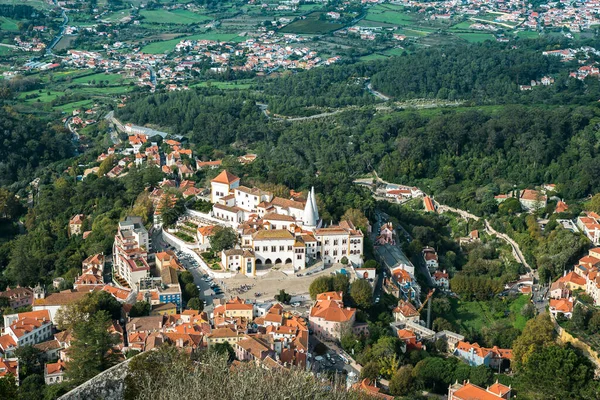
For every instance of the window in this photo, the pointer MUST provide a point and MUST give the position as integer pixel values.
(343, 252)
(335, 242)
(281, 248)
(335, 252)
(256, 248)
(299, 256)
(265, 248)
(289, 248)
(273, 249)
(326, 242)
(344, 241)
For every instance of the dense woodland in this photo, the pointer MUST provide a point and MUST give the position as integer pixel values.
(499, 140)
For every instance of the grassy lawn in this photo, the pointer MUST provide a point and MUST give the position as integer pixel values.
(6, 50)
(461, 26)
(181, 17)
(117, 16)
(69, 107)
(8, 24)
(384, 14)
(311, 25)
(515, 309)
(113, 79)
(394, 52)
(475, 37)
(166, 46)
(45, 97)
(474, 315)
(528, 34)
(371, 57)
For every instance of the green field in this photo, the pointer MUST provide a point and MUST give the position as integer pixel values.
(382, 13)
(6, 50)
(311, 25)
(394, 52)
(166, 46)
(181, 17)
(474, 315)
(475, 37)
(462, 26)
(374, 56)
(46, 96)
(8, 24)
(528, 34)
(113, 79)
(69, 107)
(117, 16)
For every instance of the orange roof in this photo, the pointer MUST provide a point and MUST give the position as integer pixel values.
(6, 341)
(562, 305)
(428, 203)
(334, 296)
(55, 368)
(8, 367)
(206, 230)
(373, 391)
(499, 389)
(474, 392)
(225, 177)
(332, 311)
(561, 206)
(119, 294)
(574, 278)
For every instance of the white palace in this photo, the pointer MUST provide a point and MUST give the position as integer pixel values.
(276, 230)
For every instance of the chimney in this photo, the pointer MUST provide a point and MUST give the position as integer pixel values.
(133, 326)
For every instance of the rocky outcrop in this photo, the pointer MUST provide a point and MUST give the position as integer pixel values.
(107, 385)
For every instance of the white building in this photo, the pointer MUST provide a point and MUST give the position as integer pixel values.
(28, 328)
(337, 242)
(222, 184)
(130, 252)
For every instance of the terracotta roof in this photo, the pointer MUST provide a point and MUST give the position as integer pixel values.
(55, 368)
(279, 217)
(206, 230)
(334, 296)
(6, 342)
(474, 392)
(562, 305)
(225, 177)
(60, 299)
(273, 234)
(222, 333)
(8, 367)
(332, 311)
(407, 309)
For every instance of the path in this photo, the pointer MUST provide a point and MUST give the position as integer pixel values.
(264, 108)
(488, 228)
(516, 250)
(376, 93)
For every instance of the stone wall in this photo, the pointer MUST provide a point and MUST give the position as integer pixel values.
(107, 385)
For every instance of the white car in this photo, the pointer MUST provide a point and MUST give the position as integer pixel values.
(377, 300)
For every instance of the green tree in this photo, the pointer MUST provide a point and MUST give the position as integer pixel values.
(222, 239)
(140, 309)
(89, 351)
(30, 362)
(9, 205)
(283, 297)
(190, 291)
(537, 334)
(32, 387)
(370, 370)
(580, 317)
(481, 375)
(195, 304)
(362, 293)
(320, 285)
(340, 283)
(556, 372)
(186, 277)
(106, 165)
(594, 203)
(357, 218)
(8, 387)
(402, 381)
